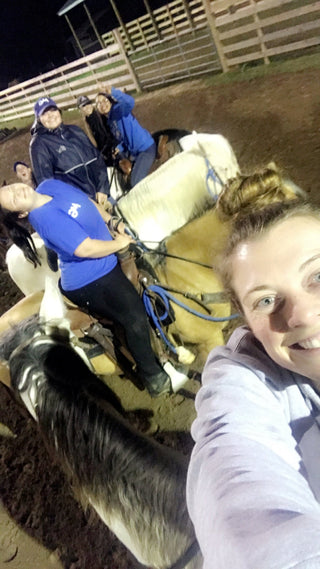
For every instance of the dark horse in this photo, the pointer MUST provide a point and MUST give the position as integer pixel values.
(136, 485)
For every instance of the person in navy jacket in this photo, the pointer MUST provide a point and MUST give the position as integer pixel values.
(65, 152)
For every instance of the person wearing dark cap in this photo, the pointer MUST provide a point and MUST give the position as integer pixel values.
(24, 173)
(65, 152)
(134, 142)
(98, 131)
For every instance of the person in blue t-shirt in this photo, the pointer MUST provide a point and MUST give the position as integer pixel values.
(91, 276)
(134, 142)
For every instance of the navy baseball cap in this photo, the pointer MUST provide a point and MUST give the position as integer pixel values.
(42, 105)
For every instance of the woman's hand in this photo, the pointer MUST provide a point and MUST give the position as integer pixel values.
(102, 199)
(123, 240)
(97, 248)
(104, 88)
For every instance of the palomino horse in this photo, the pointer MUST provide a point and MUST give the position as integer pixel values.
(136, 485)
(185, 265)
(200, 242)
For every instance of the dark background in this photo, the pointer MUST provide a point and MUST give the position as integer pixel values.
(34, 39)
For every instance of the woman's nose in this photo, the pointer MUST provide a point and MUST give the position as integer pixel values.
(304, 309)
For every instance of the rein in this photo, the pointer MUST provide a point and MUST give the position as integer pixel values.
(156, 252)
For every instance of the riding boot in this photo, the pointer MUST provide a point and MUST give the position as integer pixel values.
(158, 384)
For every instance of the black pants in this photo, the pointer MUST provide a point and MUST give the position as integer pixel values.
(114, 297)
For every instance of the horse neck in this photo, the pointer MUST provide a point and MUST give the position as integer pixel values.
(132, 482)
(201, 239)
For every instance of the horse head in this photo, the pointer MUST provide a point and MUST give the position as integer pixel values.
(131, 481)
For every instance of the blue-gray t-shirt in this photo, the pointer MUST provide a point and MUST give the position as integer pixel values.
(65, 222)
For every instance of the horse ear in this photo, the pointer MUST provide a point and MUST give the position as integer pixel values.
(53, 310)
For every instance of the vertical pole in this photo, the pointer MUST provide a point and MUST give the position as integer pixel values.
(127, 60)
(75, 35)
(122, 24)
(260, 33)
(215, 35)
(154, 23)
(99, 38)
(188, 14)
(12, 105)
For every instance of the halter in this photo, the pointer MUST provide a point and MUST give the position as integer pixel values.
(28, 386)
(191, 552)
(212, 175)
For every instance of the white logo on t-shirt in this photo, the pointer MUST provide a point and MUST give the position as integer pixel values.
(73, 210)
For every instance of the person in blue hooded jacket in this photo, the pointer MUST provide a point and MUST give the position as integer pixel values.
(65, 152)
(135, 143)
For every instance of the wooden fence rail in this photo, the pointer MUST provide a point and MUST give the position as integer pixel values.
(66, 83)
(250, 30)
(181, 40)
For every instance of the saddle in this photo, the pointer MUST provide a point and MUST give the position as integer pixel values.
(166, 149)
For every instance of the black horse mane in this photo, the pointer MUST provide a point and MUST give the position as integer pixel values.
(131, 480)
(97, 448)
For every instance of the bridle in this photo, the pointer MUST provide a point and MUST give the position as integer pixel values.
(191, 552)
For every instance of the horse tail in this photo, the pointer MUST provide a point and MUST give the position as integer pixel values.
(245, 194)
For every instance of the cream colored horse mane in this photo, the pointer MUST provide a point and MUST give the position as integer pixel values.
(176, 192)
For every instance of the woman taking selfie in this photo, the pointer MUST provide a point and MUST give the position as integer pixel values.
(254, 475)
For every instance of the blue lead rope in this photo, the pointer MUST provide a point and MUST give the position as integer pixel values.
(166, 296)
(213, 178)
(154, 317)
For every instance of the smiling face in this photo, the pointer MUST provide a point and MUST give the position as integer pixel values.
(276, 278)
(87, 109)
(103, 104)
(51, 118)
(19, 198)
(23, 173)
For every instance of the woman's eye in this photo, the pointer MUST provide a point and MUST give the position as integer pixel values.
(265, 303)
(316, 277)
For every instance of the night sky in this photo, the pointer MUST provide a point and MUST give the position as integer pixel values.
(34, 39)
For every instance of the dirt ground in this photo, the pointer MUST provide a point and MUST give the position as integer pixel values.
(275, 118)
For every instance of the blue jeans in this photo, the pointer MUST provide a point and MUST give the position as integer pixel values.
(142, 164)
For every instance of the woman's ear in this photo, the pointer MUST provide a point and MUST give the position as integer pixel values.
(23, 214)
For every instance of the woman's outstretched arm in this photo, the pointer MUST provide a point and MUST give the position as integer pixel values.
(248, 491)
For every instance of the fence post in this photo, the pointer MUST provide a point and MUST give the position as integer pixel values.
(260, 33)
(215, 35)
(122, 24)
(154, 23)
(127, 60)
(93, 26)
(74, 35)
(188, 14)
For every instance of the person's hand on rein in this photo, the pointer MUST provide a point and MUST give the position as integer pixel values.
(123, 240)
(121, 228)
